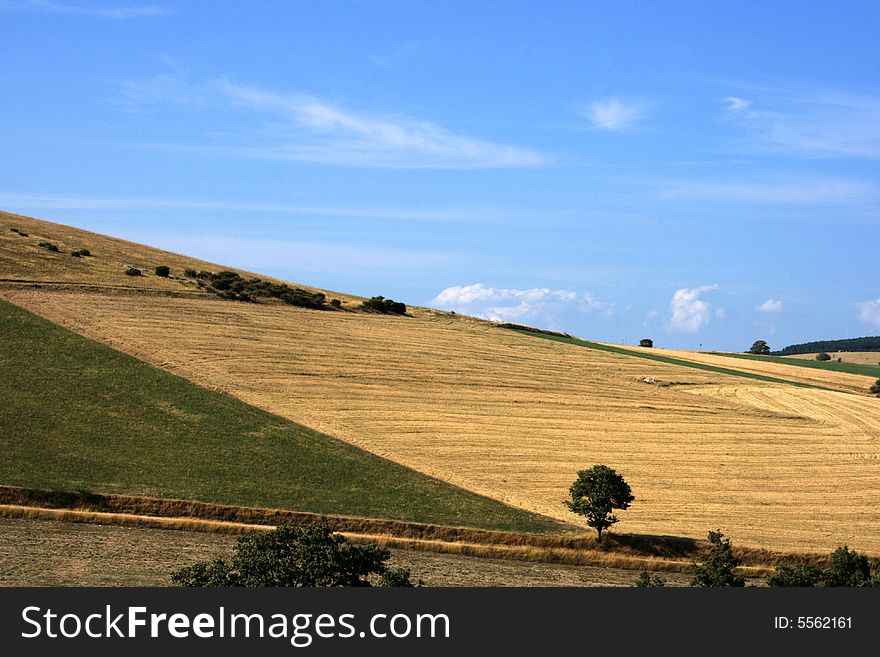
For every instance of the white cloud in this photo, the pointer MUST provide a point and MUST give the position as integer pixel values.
(315, 130)
(327, 133)
(118, 13)
(541, 305)
(869, 311)
(811, 122)
(688, 311)
(614, 114)
(735, 104)
(769, 306)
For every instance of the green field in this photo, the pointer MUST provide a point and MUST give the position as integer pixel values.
(832, 365)
(666, 359)
(75, 414)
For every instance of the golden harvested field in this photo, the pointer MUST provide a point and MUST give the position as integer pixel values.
(515, 417)
(818, 377)
(857, 357)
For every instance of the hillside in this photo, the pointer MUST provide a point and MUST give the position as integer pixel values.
(24, 262)
(512, 416)
(114, 424)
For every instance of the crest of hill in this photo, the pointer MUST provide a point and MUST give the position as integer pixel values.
(26, 260)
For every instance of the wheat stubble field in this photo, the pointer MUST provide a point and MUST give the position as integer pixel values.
(506, 415)
(514, 417)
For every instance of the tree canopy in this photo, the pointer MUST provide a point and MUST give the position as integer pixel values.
(717, 570)
(296, 556)
(595, 493)
(759, 347)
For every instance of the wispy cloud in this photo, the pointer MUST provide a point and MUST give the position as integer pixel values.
(401, 51)
(540, 305)
(688, 312)
(306, 128)
(807, 122)
(735, 104)
(328, 133)
(118, 13)
(810, 191)
(869, 311)
(613, 114)
(770, 306)
(467, 214)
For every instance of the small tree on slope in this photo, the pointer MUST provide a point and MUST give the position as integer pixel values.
(595, 493)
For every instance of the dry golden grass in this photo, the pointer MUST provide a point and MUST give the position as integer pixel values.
(818, 377)
(514, 417)
(857, 357)
(21, 259)
(556, 555)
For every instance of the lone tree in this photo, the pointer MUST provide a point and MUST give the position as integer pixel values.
(646, 342)
(823, 356)
(295, 556)
(163, 270)
(595, 493)
(875, 387)
(760, 347)
(717, 570)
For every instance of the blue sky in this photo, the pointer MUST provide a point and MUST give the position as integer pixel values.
(697, 173)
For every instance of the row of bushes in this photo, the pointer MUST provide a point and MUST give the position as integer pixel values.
(19, 232)
(230, 285)
(845, 568)
(382, 305)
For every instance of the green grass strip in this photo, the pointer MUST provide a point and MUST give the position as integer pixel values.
(832, 365)
(668, 359)
(76, 414)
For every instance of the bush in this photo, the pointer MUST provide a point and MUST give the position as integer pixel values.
(296, 556)
(845, 568)
(647, 580)
(823, 356)
(50, 247)
(795, 574)
(132, 271)
(646, 342)
(848, 568)
(190, 273)
(875, 387)
(81, 253)
(718, 568)
(20, 232)
(163, 271)
(385, 306)
(336, 303)
(398, 578)
(229, 285)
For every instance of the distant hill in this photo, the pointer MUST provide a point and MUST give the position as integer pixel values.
(848, 344)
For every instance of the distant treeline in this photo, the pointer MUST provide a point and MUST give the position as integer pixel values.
(849, 344)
